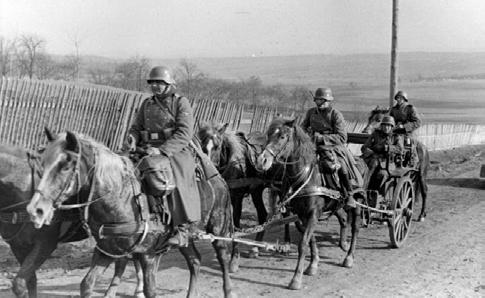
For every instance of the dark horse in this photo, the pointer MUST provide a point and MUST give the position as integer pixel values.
(75, 164)
(289, 145)
(234, 157)
(19, 173)
(421, 187)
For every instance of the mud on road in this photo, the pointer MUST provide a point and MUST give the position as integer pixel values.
(443, 256)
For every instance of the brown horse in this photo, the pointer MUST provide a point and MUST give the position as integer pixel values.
(419, 179)
(305, 196)
(19, 173)
(115, 209)
(234, 157)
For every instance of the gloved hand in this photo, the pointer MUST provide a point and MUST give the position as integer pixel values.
(153, 151)
(131, 143)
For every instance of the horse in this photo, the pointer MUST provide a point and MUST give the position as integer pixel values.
(290, 146)
(19, 174)
(419, 180)
(109, 191)
(234, 158)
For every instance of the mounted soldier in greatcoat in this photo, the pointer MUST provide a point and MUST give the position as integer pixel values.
(326, 126)
(164, 126)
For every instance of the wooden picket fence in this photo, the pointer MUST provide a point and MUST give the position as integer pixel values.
(105, 113)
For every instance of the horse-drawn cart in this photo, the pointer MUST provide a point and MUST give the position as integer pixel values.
(393, 201)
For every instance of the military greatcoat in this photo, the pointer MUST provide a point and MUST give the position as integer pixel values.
(168, 125)
(330, 123)
(406, 115)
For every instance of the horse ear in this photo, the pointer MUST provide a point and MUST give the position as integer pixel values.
(50, 136)
(290, 122)
(72, 143)
(223, 128)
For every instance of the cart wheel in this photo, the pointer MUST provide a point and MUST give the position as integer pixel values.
(402, 205)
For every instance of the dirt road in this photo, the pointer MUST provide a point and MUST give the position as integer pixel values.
(443, 257)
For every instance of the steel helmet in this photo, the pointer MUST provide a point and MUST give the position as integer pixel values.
(323, 93)
(388, 120)
(402, 94)
(161, 73)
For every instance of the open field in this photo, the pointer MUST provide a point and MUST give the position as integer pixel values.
(446, 87)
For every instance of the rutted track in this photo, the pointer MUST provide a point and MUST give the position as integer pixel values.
(442, 256)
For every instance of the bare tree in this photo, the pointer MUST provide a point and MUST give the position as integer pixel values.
(7, 51)
(132, 73)
(27, 53)
(190, 77)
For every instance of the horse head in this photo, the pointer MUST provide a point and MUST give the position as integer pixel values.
(60, 160)
(286, 142)
(375, 119)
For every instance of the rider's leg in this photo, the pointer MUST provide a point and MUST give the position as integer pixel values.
(346, 186)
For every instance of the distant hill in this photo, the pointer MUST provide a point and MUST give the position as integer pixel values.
(446, 87)
(359, 69)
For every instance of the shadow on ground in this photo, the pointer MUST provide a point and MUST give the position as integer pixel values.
(459, 182)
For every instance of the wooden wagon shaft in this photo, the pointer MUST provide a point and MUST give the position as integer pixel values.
(388, 212)
(267, 246)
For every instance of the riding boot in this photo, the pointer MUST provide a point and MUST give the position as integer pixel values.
(346, 190)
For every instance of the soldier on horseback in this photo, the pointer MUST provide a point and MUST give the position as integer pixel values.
(326, 126)
(164, 126)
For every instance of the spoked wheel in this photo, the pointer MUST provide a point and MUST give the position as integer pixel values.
(402, 205)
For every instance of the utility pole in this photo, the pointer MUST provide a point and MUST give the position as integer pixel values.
(394, 56)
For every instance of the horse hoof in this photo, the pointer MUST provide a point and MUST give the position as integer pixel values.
(421, 218)
(230, 295)
(348, 262)
(139, 295)
(344, 246)
(295, 285)
(311, 271)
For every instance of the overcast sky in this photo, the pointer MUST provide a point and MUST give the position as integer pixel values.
(221, 28)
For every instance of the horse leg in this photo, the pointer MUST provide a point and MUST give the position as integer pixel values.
(139, 278)
(25, 283)
(192, 257)
(149, 266)
(236, 201)
(120, 266)
(310, 223)
(222, 258)
(257, 197)
(354, 213)
(315, 258)
(235, 257)
(98, 261)
(341, 216)
(423, 189)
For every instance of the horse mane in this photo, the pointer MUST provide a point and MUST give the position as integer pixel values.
(303, 146)
(233, 142)
(110, 169)
(229, 139)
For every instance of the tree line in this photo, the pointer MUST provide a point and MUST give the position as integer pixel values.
(26, 56)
